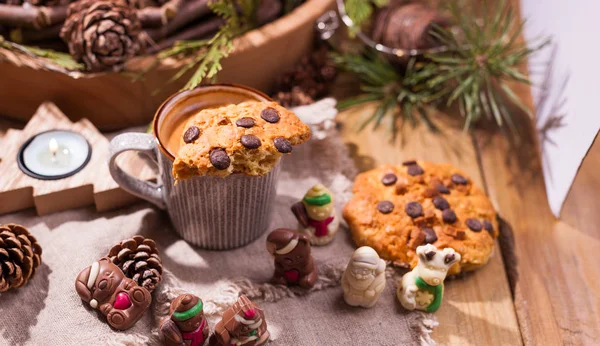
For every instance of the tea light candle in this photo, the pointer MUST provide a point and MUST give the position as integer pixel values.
(54, 154)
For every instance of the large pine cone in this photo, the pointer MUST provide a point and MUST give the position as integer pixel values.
(139, 260)
(20, 255)
(102, 34)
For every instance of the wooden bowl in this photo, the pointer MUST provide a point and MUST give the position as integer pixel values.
(113, 101)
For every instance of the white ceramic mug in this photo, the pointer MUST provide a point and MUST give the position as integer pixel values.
(209, 212)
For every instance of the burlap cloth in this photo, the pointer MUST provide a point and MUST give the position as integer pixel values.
(48, 311)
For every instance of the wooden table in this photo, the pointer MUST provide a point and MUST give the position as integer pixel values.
(554, 298)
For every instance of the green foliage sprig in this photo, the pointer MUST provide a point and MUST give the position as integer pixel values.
(482, 59)
(381, 82)
(207, 54)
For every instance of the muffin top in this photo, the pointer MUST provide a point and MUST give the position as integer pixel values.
(396, 208)
(247, 138)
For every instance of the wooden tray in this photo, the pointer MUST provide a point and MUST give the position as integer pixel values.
(112, 101)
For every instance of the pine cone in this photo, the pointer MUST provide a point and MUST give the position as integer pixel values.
(20, 255)
(102, 34)
(139, 260)
(307, 81)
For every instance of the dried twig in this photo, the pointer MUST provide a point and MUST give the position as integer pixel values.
(25, 36)
(189, 12)
(32, 17)
(153, 17)
(202, 30)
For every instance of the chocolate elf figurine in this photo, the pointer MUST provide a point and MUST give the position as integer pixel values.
(423, 287)
(294, 264)
(186, 325)
(316, 215)
(104, 287)
(242, 324)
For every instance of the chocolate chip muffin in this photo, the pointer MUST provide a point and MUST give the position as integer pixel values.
(246, 138)
(397, 208)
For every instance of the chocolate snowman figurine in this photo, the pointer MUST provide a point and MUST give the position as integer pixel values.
(317, 216)
(104, 287)
(423, 287)
(242, 324)
(294, 264)
(186, 325)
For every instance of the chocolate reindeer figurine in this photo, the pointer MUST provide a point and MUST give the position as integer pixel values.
(317, 216)
(242, 324)
(294, 264)
(423, 287)
(186, 324)
(104, 287)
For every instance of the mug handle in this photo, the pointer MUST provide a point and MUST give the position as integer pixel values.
(143, 142)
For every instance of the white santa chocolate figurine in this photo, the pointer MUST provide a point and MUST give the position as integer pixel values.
(423, 287)
(316, 215)
(364, 278)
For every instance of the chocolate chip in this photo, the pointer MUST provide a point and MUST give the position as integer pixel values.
(191, 134)
(430, 236)
(442, 189)
(270, 115)
(449, 258)
(250, 141)
(474, 225)
(245, 122)
(429, 255)
(385, 207)
(219, 158)
(415, 170)
(459, 179)
(282, 145)
(413, 209)
(488, 227)
(449, 216)
(440, 203)
(389, 179)
(409, 163)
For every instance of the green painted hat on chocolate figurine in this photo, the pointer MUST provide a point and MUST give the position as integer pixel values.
(187, 314)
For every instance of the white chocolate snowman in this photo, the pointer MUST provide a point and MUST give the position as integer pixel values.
(317, 216)
(364, 278)
(423, 287)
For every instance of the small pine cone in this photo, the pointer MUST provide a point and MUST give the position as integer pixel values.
(139, 260)
(102, 34)
(20, 255)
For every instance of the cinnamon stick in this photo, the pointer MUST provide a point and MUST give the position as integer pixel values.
(31, 16)
(189, 12)
(158, 16)
(201, 30)
(25, 36)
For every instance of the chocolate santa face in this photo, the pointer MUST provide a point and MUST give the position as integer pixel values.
(242, 324)
(104, 287)
(293, 261)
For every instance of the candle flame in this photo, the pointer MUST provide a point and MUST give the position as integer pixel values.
(53, 146)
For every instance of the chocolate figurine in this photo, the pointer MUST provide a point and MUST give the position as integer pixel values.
(364, 278)
(104, 287)
(242, 324)
(423, 287)
(294, 264)
(317, 216)
(186, 324)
